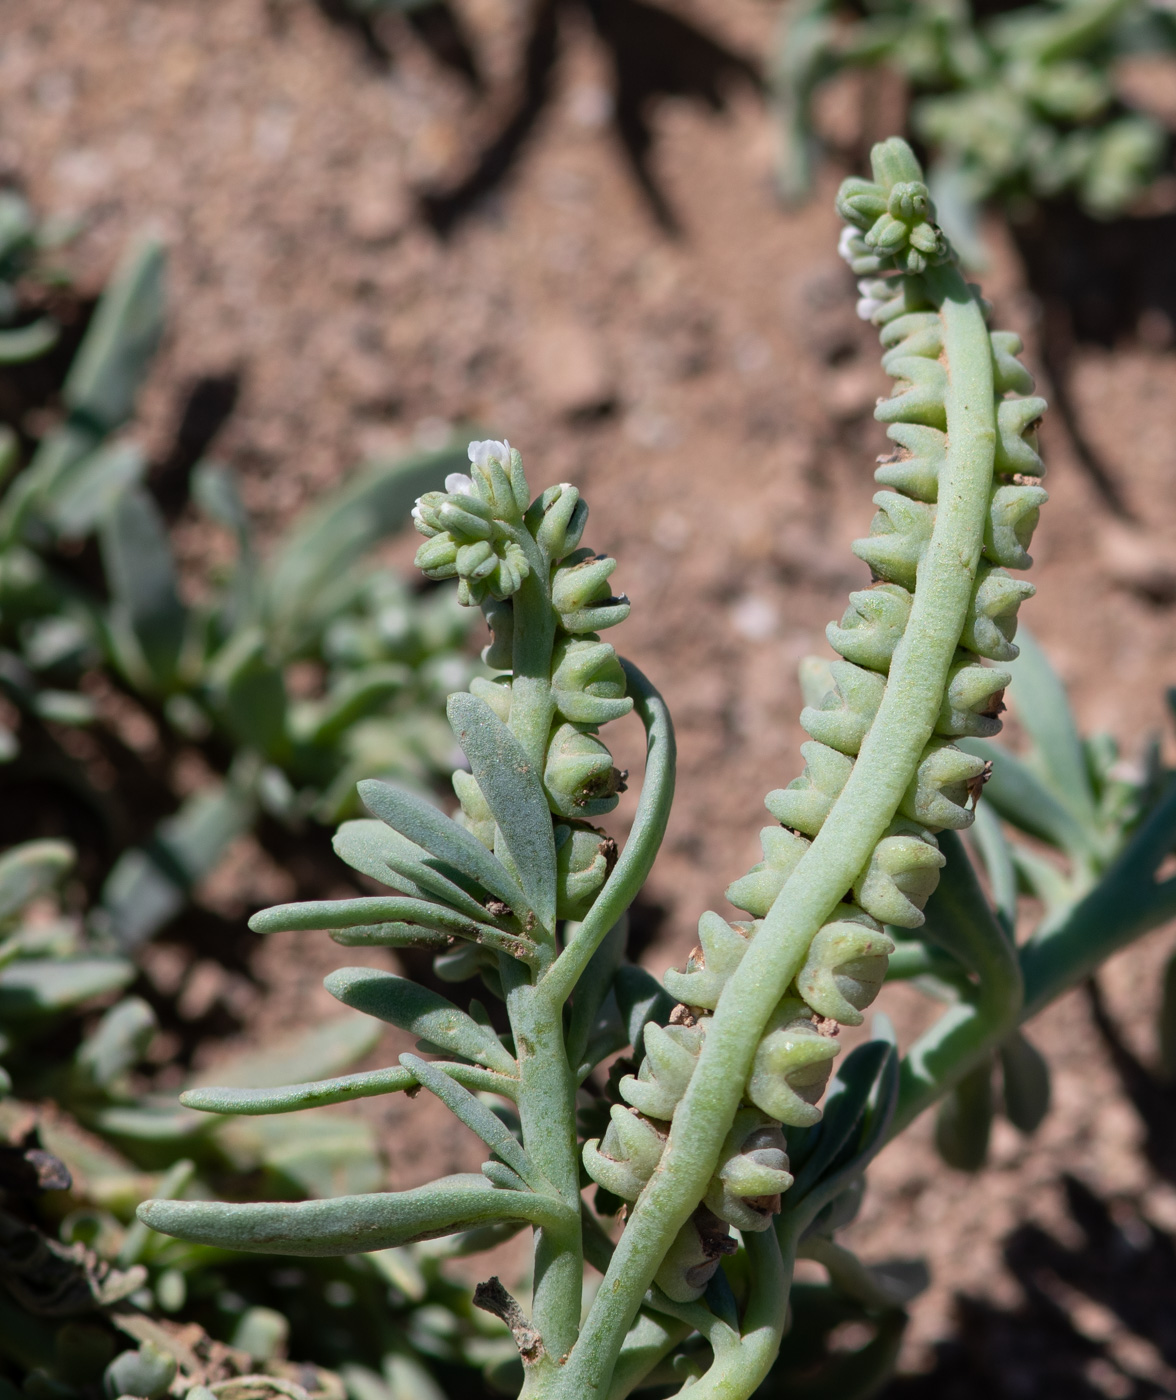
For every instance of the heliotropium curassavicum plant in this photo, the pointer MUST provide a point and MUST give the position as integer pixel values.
(730, 1122)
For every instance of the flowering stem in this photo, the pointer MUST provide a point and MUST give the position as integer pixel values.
(888, 759)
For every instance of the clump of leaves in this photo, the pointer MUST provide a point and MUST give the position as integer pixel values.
(1017, 107)
(93, 623)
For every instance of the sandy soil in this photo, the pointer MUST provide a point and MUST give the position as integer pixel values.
(710, 392)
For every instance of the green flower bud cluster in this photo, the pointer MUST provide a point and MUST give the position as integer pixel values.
(891, 218)
(484, 530)
(892, 227)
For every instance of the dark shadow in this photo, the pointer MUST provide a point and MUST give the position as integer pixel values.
(1055, 1345)
(1153, 1098)
(36, 384)
(1100, 282)
(444, 209)
(434, 23)
(207, 406)
(653, 54)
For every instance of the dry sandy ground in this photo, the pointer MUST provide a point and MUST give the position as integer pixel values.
(711, 394)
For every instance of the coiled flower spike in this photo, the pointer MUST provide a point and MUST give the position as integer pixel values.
(840, 965)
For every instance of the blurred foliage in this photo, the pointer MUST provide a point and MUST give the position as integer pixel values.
(290, 677)
(83, 1283)
(1017, 104)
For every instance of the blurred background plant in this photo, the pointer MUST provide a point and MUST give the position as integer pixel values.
(294, 673)
(88, 1141)
(292, 676)
(1015, 104)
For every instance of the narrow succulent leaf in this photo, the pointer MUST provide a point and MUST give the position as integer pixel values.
(87, 492)
(30, 870)
(375, 849)
(1044, 710)
(514, 793)
(641, 999)
(1025, 1077)
(328, 540)
(149, 884)
(312, 1052)
(845, 1108)
(998, 863)
(350, 1224)
(341, 1089)
(426, 1014)
(31, 988)
(372, 910)
(28, 342)
(964, 1121)
(1022, 799)
(122, 338)
(423, 824)
(478, 1118)
(141, 572)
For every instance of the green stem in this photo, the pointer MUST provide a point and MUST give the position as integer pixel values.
(546, 1101)
(546, 1089)
(887, 762)
(645, 838)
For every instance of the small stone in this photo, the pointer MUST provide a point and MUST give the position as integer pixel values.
(568, 369)
(379, 211)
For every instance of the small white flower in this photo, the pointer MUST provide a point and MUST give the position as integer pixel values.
(482, 452)
(845, 248)
(458, 484)
(416, 510)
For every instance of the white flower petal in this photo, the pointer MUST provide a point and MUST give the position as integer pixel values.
(458, 484)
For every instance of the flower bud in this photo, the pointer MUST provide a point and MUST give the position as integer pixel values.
(757, 890)
(671, 1052)
(894, 163)
(923, 399)
(1009, 375)
(1016, 437)
(859, 202)
(709, 966)
(752, 1173)
(587, 681)
(844, 719)
(437, 557)
(992, 619)
(872, 626)
(499, 614)
(862, 259)
(916, 474)
(475, 814)
(901, 875)
(916, 333)
(496, 692)
(805, 802)
(578, 775)
(791, 1067)
(463, 517)
(910, 201)
(887, 234)
(584, 858)
(558, 525)
(625, 1158)
(939, 791)
(694, 1257)
(147, 1372)
(493, 486)
(973, 700)
(845, 967)
(1012, 518)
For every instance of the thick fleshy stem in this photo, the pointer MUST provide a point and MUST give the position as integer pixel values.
(889, 756)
